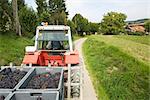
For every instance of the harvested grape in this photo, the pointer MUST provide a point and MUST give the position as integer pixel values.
(9, 78)
(43, 81)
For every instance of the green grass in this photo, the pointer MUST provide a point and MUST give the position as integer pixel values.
(116, 74)
(133, 48)
(138, 39)
(12, 48)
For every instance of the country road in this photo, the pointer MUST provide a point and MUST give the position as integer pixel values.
(88, 89)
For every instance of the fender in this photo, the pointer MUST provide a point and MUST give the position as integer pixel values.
(71, 57)
(31, 58)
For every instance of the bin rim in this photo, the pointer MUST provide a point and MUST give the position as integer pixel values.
(11, 94)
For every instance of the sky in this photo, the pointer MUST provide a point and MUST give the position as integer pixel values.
(94, 10)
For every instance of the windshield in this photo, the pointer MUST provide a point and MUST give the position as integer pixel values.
(45, 35)
(53, 40)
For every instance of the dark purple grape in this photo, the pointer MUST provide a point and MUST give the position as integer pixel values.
(43, 81)
(9, 78)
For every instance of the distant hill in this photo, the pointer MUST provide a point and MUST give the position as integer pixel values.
(137, 21)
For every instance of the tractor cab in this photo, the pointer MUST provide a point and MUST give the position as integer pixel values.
(53, 46)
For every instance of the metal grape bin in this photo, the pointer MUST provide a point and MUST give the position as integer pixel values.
(48, 95)
(41, 70)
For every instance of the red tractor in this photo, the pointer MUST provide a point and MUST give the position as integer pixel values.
(53, 46)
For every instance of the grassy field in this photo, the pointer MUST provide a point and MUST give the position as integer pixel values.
(12, 48)
(131, 46)
(117, 72)
(138, 39)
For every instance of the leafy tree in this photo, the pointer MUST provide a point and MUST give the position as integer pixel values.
(57, 9)
(94, 27)
(62, 18)
(85, 25)
(57, 6)
(113, 23)
(5, 15)
(45, 17)
(21, 4)
(28, 20)
(147, 26)
(42, 6)
(59, 18)
(81, 23)
(72, 26)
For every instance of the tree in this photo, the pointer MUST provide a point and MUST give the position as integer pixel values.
(147, 26)
(60, 18)
(21, 4)
(113, 23)
(28, 20)
(57, 9)
(45, 17)
(81, 23)
(42, 6)
(5, 15)
(17, 26)
(57, 6)
(94, 27)
(72, 26)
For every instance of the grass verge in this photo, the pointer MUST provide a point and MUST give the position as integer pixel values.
(116, 75)
(12, 48)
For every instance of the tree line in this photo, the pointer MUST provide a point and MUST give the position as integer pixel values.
(17, 17)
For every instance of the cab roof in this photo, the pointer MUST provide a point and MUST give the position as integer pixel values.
(53, 27)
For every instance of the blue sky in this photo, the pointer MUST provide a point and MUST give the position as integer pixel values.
(94, 10)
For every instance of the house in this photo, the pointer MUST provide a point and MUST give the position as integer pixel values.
(135, 27)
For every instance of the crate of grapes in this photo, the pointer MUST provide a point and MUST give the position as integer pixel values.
(10, 77)
(4, 95)
(44, 79)
(26, 95)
